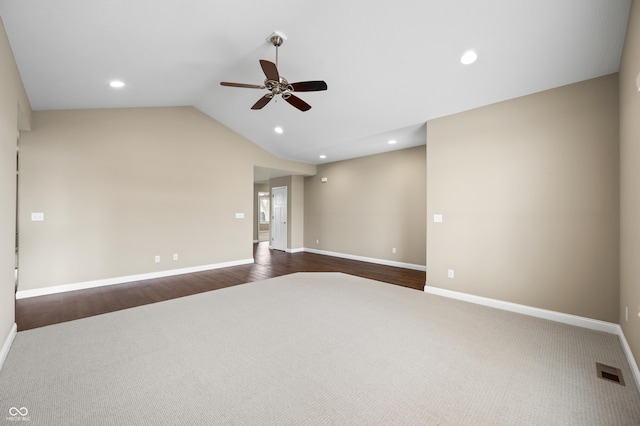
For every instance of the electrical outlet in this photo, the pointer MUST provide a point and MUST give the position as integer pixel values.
(175, 256)
(393, 249)
(157, 259)
(450, 273)
(317, 241)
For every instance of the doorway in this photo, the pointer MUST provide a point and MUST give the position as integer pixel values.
(264, 216)
(279, 218)
(17, 211)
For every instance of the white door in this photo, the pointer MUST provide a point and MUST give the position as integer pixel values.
(279, 218)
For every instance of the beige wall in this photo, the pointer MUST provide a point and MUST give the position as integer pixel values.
(15, 113)
(368, 206)
(630, 183)
(120, 186)
(528, 190)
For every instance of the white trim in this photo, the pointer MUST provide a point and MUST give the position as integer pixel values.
(22, 294)
(367, 259)
(295, 250)
(632, 361)
(7, 344)
(592, 324)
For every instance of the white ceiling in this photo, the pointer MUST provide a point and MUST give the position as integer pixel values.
(390, 65)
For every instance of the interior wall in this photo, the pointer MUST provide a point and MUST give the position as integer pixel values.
(120, 186)
(370, 205)
(529, 194)
(630, 184)
(15, 114)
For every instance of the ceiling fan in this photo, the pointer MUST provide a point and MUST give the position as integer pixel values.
(278, 85)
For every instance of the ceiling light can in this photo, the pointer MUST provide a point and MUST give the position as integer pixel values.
(116, 84)
(278, 130)
(468, 57)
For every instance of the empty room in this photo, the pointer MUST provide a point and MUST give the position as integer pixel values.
(344, 213)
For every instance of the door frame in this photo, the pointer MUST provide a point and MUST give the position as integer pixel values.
(283, 226)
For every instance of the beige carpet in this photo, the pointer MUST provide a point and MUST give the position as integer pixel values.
(315, 349)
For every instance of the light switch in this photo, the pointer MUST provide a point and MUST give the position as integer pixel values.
(37, 216)
(437, 218)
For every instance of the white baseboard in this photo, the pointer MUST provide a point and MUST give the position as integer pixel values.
(295, 250)
(7, 344)
(607, 327)
(592, 324)
(367, 259)
(632, 361)
(21, 294)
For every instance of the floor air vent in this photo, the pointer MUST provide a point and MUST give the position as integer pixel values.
(609, 373)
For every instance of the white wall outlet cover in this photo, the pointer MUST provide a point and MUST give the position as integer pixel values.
(175, 256)
(37, 216)
(324, 180)
(239, 215)
(450, 273)
(437, 218)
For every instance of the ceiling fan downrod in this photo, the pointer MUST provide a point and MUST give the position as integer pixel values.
(277, 41)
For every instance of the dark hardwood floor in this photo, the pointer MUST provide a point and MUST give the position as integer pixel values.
(39, 311)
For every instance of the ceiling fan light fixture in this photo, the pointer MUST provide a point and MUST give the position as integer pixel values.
(278, 85)
(468, 57)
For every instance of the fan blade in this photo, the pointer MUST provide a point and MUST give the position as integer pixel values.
(298, 103)
(270, 70)
(248, 86)
(262, 101)
(309, 86)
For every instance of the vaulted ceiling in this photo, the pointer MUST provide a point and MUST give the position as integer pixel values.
(390, 66)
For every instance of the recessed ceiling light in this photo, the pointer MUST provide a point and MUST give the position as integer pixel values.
(469, 57)
(323, 156)
(278, 130)
(116, 84)
(392, 142)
